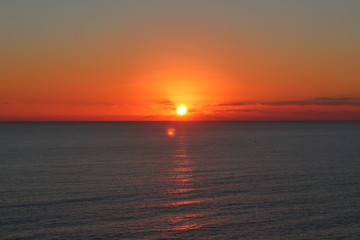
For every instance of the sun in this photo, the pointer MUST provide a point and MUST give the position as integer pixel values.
(181, 110)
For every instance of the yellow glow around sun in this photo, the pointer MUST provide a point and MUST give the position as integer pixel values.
(181, 110)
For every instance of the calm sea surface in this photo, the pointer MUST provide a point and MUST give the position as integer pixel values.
(184, 180)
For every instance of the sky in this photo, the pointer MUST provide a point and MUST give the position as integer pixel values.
(138, 60)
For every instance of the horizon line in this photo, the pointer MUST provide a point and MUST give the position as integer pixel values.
(179, 121)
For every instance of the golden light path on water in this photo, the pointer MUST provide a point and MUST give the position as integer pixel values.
(183, 187)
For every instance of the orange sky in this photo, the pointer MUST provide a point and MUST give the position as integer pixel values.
(114, 61)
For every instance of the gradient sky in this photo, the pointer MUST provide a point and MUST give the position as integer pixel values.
(138, 60)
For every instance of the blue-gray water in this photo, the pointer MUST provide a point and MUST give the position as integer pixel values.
(211, 180)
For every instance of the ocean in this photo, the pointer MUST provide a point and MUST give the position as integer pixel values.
(180, 180)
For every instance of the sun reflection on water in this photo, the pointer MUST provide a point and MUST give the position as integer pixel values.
(183, 188)
(185, 222)
(183, 169)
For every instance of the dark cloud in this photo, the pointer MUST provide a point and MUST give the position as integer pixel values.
(321, 101)
(234, 110)
(237, 104)
(337, 99)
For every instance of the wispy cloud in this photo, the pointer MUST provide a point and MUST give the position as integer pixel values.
(163, 104)
(166, 102)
